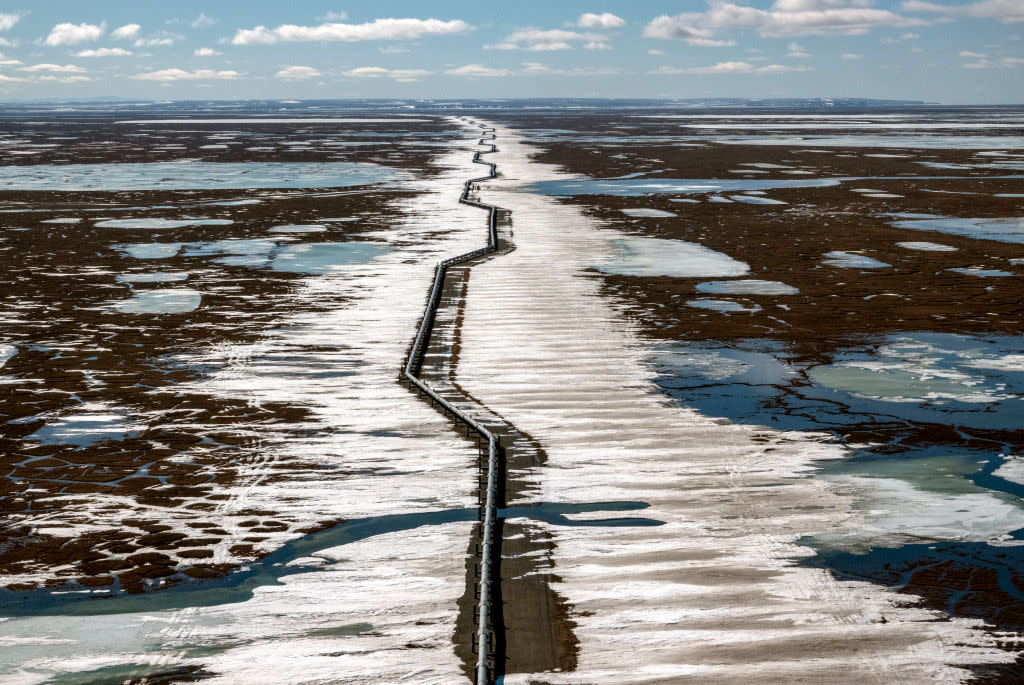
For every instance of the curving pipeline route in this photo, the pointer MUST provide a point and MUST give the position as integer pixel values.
(488, 574)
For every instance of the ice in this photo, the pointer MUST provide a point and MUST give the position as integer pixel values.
(927, 247)
(849, 260)
(676, 258)
(298, 228)
(980, 272)
(321, 258)
(746, 287)
(724, 306)
(166, 301)
(88, 424)
(189, 174)
(1007, 230)
(158, 223)
(150, 250)
(648, 213)
(755, 200)
(153, 277)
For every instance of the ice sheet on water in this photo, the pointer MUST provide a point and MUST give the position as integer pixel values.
(676, 258)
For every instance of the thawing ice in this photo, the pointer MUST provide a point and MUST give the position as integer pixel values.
(849, 260)
(189, 174)
(725, 306)
(62, 220)
(150, 250)
(755, 200)
(978, 271)
(153, 277)
(746, 287)
(86, 425)
(926, 246)
(648, 213)
(1007, 230)
(676, 258)
(6, 352)
(321, 258)
(298, 228)
(167, 301)
(157, 223)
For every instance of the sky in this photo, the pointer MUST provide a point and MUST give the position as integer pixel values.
(946, 51)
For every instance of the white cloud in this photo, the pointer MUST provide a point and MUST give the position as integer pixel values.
(783, 18)
(850, 56)
(910, 36)
(478, 70)
(72, 34)
(401, 75)
(655, 52)
(206, 52)
(394, 50)
(4, 78)
(543, 40)
(1005, 11)
(203, 21)
(6, 61)
(379, 29)
(596, 45)
(297, 73)
(335, 16)
(65, 79)
(55, 68)
(605, 20)
(126, 32)
(8, 20)
(540, 69)
(162, 41)
(182, 75)
(797, 52)
(104, 52)
(983, 62)
(730, 68)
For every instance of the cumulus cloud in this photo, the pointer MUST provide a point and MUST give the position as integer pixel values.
(542, 40)
(55, 68)
(379, 29)
(335, 16)
(401, 75)
(65, 79)
(8, 20)
(783, 18)
(72, 34)
(655, 52)
(683, 27)
(6, 61)
(183, 75)
(850, 56)
(1005, 11)
(155, 41)
(206, 52)
(297, 73)
(605, 20)
(981, 61)
(4, 78)
(541, 69)
(478, 70)
(202, 21)
(104, 52)
(126, 32)
(730, 68)
(596, 45)
(797, 52)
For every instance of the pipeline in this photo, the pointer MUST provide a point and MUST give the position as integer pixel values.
(488, 564)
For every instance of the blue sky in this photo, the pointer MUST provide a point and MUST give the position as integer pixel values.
(950, 51)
